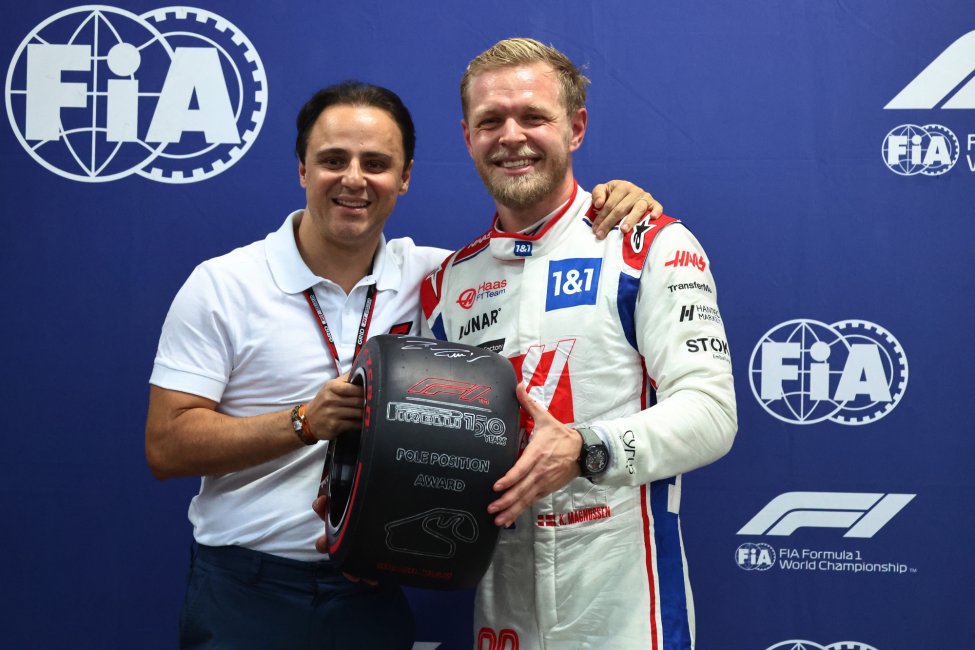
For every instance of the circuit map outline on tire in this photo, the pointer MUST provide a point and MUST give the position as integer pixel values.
(408, 492)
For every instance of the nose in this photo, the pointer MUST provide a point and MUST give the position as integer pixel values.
(353, 177)
(512, 134)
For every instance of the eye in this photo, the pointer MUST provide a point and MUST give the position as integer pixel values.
(376, 166)
(488, 123)
(332, 162)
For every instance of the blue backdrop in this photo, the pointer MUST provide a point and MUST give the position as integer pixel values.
(837, 211)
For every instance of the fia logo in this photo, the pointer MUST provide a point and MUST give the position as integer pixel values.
(97, 93)
(910, 149)
(851, 372)
(799, 644)
(755, 557)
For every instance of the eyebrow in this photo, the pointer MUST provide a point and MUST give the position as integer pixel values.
(494, 109)
(339, 151)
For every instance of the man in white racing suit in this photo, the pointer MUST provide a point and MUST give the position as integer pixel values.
(624, 370)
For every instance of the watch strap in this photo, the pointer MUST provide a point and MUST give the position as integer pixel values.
(301, 427)
(593, 451)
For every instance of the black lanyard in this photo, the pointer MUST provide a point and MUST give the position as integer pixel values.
(323, 324)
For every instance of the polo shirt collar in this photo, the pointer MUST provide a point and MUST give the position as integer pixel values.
(292, 275)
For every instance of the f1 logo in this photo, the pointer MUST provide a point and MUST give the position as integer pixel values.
(861, 513)
(940, 80)
(462, 390)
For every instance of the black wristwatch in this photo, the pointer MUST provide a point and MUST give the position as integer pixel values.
(594, 457)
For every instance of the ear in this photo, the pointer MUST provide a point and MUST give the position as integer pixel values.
(302, 170)
(407, 173)
(578, 123)
(467, 137)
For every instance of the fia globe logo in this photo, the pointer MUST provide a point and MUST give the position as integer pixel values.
(799, 644)
(755, 557)
(910, 149)
(850, 372)
(96, 93)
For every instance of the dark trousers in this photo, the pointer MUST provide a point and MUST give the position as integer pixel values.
(239, 599)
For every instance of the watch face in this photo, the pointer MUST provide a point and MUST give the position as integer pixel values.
(596, 460)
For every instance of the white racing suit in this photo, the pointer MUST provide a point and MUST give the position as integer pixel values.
(623, 334)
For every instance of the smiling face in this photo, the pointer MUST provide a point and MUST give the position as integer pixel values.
(353, 172)
(520, 136)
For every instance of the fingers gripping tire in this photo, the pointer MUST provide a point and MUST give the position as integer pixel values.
(408, 494)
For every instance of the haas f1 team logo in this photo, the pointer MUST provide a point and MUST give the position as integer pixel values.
(851, 372)
(97, 93)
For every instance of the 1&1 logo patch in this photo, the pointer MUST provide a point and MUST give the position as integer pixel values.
(572, 282)
(523, 248)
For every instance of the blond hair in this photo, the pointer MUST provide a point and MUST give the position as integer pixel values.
(526, 51)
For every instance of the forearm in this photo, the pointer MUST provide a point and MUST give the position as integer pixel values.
(195, 440)
(687, 430)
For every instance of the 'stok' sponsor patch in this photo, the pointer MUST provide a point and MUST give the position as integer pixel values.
(572, 282)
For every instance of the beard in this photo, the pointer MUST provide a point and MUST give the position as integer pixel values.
(521, 192)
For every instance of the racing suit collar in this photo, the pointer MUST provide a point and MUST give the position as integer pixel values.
(541, 236)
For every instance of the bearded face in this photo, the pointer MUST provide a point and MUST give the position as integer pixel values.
(521, 138)
(520, 179)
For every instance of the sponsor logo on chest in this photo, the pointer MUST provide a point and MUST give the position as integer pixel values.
(572, 282)
(479, 322)
(487, 289)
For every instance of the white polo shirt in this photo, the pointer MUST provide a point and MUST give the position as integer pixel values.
(240, 332)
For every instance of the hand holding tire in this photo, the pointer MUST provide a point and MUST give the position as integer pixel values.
(549, 462)
(335, 409)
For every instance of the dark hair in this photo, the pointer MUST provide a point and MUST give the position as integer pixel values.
(355, 93)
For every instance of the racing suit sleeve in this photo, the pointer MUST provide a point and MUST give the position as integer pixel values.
(682, 340)
(431, 320)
